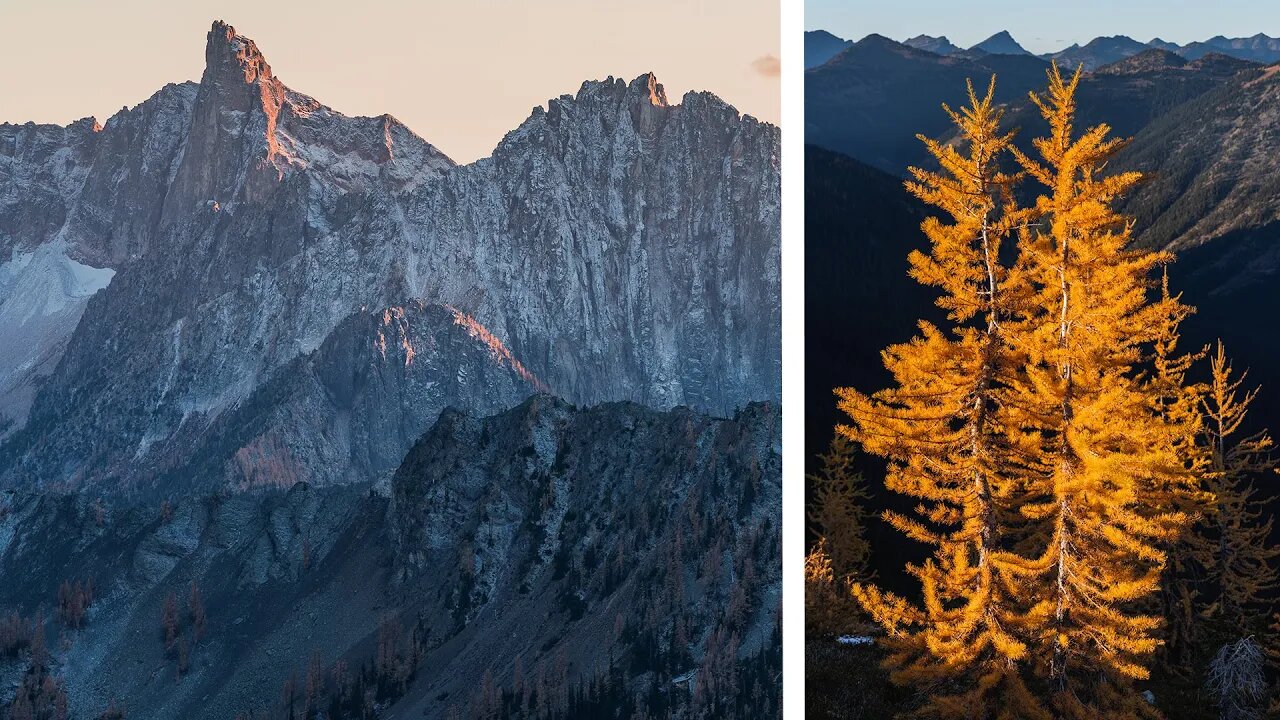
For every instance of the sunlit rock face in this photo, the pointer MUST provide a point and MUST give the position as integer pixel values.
(349, 411)
(617, 246)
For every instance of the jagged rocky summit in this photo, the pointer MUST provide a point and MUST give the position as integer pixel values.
(200, 257)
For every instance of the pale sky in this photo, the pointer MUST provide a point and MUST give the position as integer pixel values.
(1045, 25)
(460, 73)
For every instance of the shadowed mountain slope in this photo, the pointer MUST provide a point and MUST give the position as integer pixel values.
(546, 538)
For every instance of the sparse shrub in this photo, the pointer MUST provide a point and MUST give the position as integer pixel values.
(195, 608)
(169, 621)
(15, 635)
(74, 600)
(315, 687)
(184, 658)
(1237, 680)
(39, 651)
(39, 696)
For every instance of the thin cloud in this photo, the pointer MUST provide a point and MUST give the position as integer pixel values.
(767, 65)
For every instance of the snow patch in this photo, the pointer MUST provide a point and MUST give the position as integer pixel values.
(46, 282)
(43, 293)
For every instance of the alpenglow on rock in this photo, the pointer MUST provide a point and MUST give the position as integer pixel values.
(619, 246)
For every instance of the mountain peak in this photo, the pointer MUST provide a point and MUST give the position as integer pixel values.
(236, 110)
(876, 41)
(824, 35)
(820, 46)
(1220, 63)
(228, 52)
(648, 83)
(88, 124)
(939, 45)
(1098, 52)
(1113, 40)
(1002, 43)
(878, 48)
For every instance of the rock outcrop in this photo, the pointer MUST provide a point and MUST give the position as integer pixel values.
(542, 542)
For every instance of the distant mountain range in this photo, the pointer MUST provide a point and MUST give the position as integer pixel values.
(1201, 120)
(821, 46)
(870, 100)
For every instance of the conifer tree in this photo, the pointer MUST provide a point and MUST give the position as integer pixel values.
(1178, 400)
(1236, 553)
(825, 612)
(1175, 398)
(837, 511)
(1112, 459)
(941, 430)
(837, 516)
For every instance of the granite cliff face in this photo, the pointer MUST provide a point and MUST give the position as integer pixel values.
(76, 203)
(546, 542)
(348, 411)
(616, 245)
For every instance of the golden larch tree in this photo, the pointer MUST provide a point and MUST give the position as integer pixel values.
(1178, 401)
(1235, 549)
(1112, 459)
(841, 555)
(941, 429)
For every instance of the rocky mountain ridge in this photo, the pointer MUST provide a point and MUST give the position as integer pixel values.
(305, 416)
(1094, 54)
(820, 46)
(545, 541)
(870, 100)
(939, 45)
(618, 245)
(1211, 164)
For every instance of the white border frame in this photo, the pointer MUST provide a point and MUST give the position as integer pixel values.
(793, 406)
